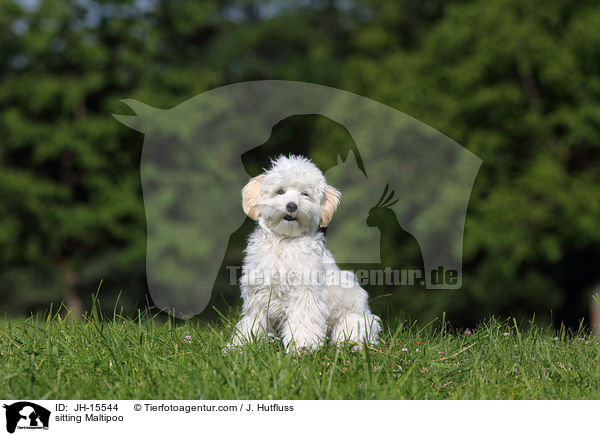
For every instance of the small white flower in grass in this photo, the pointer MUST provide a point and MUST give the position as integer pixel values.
(405, 349)
(417, 350)
(506, 334)
(110, 363)
(188, 339)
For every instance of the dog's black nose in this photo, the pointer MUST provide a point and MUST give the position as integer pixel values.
(291, 207)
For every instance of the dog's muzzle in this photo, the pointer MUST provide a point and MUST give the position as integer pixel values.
(291, 207)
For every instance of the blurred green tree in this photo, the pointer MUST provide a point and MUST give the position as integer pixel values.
(70, 209)
(515, 82)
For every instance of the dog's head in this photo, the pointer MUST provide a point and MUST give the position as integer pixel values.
(291, 198)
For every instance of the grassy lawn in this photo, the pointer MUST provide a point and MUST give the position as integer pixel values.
(46, 357)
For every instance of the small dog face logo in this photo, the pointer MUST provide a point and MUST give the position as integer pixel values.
(26, 415)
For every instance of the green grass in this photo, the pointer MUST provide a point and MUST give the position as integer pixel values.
(47, 357)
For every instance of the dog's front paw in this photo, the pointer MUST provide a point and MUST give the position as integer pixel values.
(302, 344)
(296, 350)
(229, 347)
(235, 343)
(357, 329)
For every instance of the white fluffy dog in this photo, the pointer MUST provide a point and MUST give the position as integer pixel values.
(290, 283)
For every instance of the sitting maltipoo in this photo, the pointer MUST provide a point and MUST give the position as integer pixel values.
(291, 286)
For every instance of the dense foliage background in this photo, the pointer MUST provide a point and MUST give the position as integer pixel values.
(516, 82)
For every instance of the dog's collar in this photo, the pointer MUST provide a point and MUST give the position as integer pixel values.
(319, 230)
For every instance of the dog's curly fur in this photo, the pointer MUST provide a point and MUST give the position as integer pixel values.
(291, 286)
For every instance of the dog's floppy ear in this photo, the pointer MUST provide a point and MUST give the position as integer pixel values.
(250, 196)
(330, 204)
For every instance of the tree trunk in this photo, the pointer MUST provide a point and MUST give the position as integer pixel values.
(72, 300)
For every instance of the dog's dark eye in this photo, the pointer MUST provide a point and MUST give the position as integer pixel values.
(306, 194)
(280, 191)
